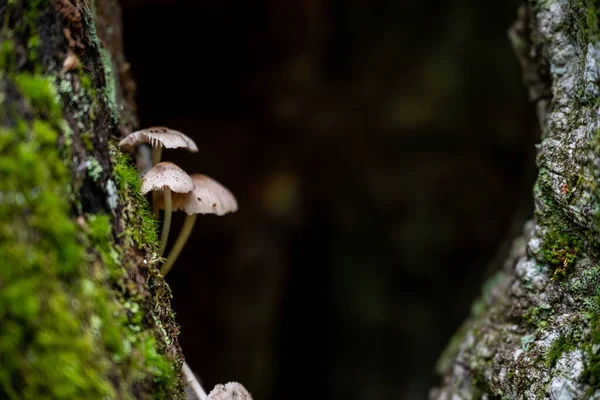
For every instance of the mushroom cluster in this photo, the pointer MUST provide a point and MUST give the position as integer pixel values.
(228, 391)
(194, 194)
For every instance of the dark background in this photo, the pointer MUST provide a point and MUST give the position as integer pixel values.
(382, 156)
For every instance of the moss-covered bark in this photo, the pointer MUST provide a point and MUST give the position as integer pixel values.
(536, 331)
(84, 312)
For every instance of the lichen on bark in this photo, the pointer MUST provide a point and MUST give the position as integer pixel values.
(84, 312)
(538, 333)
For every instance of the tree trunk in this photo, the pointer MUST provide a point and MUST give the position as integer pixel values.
(84, 312)
(535, 333)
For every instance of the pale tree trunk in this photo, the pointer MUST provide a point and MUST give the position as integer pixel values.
(535, 333)
(84, 312)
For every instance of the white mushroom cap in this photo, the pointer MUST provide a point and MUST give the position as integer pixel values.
(167, 174)
(208, 197)
(158, 136)
(229, 391)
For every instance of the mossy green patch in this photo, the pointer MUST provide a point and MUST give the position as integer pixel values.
(585, 13)
(561, 345)
(129, 184)
(591, 372)
(41, 93)
(33, 45)
(81, 315)
(539, 316)
(47, 349)
(86, 138)
(131, 344)
(7, 54)
(560, 249)
(75, 333)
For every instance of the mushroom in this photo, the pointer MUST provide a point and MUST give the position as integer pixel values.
(229, 391)
(158, 137)
(167, 177)
(208, 197)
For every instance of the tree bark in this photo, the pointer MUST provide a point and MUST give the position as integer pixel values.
(84, 312)
(535, 333)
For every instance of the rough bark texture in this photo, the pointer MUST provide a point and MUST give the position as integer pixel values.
(84, 312)
(536, 331)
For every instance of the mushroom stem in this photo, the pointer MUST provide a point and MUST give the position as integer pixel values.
(156, 156)
(166, 222)
(192, 382)
(184, 234)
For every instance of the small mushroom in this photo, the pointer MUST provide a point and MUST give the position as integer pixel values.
(158, 137)
(229, 391)
(208, 197)
(167, 177)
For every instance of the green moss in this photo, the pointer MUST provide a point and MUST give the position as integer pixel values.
(129, 184)
(56, 302)
(586, 13)
(560, 346)
(561, 249)
(539, 316)
(130, 342)
(33, 45)
(100, 227)
(7, 55)
(86, 83)
(42, 258)
(595, 146)
(592, 11)
(41, 93)
(591, 372)
(34, 8)
(86, 138)
(76, 321)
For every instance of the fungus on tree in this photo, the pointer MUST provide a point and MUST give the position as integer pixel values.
(167, 177)
(208, 197)
(229, 391)
(158, 137)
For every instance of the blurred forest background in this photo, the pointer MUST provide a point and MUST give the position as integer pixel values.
(382, 153)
